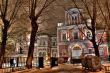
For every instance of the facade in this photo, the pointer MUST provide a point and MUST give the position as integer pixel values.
(44, 45)
(54, 52)
(72, 37)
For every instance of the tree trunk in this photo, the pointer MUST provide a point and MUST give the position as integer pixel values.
(94, 40)
(3, 43)
(31, 46)
(94, 43)
(96, 50)
(94, 29)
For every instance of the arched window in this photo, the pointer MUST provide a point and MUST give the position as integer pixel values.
(40, 54)
(44, 54)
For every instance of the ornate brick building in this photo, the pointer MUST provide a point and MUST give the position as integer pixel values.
(72, 37)
(44, 45)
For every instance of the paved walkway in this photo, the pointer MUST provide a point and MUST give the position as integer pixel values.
(63, 68)
(58, 69)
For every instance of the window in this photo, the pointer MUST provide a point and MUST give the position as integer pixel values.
(44, 54)
(44, 43)
(64, 37)
(76, 52)
(40, 42)
(75, 35)
(54, 55)
(88, 34)
(74, 12)
(55, 50)
(101, 51)
(90, 51)
(40, 54)
(21, 50)
(53, 43)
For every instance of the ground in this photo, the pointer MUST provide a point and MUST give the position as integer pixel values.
(61, 68)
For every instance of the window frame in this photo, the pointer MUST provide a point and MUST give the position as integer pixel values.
(62, 33)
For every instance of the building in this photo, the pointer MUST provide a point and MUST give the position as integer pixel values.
(54, 52)
(73, 35)
(44, 45)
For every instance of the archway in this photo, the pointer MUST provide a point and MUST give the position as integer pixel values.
(75, 51)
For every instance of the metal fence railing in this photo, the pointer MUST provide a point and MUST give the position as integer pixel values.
(11, 64)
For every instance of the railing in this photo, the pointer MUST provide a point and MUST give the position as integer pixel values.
(16, 63)
(12, 64)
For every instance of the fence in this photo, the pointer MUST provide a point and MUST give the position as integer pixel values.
(11, 64)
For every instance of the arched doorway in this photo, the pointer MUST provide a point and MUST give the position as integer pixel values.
(76, 50)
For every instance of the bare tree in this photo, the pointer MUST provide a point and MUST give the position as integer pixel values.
(8, 11)
(95, 11)
(36, 8)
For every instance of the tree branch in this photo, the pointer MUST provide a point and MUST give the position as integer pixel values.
(107, 6)
(86, 6)
(44, 7)
(15, 10)
(82, 16)
(4, 9)
(105, 19)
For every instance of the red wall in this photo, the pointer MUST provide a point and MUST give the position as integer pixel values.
(63, 50)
